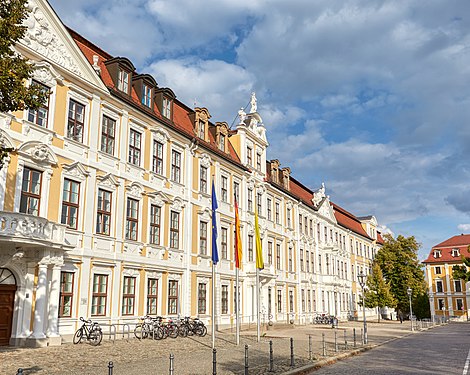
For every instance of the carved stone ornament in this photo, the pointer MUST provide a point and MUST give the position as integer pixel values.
(319, 194)
(177, 205)
(44, 73)
(5, 140)
(205, 160)
(174, 276)
(160, 135)
(41, 38)
(130, 272)
(39, 152)
(203, 280)
(135, 190)
(76, 170)
(108, 181)
(154, 275)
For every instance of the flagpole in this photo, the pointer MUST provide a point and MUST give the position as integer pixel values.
(213, 305)
(215, 257)
(237, 312)
(258, 326)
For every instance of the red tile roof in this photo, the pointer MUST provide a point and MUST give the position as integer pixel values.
(461, 242)
(349, 221)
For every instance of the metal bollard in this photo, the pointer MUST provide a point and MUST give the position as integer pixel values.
(362, 336)
(110, 368)
(323, 344)
(291, 352)
(271, 358)
(354, 336)
(345, 341)
(214, 361)
(310, 347)
(172, 369)
(336, 341)
(246, 359)
(20, 371)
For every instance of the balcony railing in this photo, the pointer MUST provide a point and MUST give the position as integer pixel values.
(24, 228)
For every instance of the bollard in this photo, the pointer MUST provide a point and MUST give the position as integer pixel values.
(20, 371)
(310, 347)
(323, 344)
(291, 352)
(246, 359)
(214, 361)
(336, 341)
(271, 358)
(172, 369)
(345, 341)
(362, 336)
(354, 336)
(110, 368)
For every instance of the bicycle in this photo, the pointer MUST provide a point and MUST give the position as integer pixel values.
(145, 328)
(91, 331)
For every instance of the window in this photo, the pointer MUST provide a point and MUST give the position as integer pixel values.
(222, 142)
(175, 166)
(250, 200)
(201, 298)
(31, 192)
(302, 294)
(278, 256)
(155, 224)
(75, 121)
(439, 286)
(39, 116)
(441, 304)
(66, 294)
(455, 252)
(301, 260)
(146, 95)
(103, 217)
(269, 209)
(128, 296)
(457, 286)
(224, 299)
(157, 158)
(438, 270)
(459, 302)
(279, 301)
(70, 199)
(123, 81)
(305, 225)
(288, 218)
(202, 238)
(290, 259)
(258, 203)
(437, 253)
(270, 252)
(152, 296)
(99, 296)
(236, 191)
(135, 139)
(108, 130)
(258, 161)
(250, 248)
(311, 228)
(132, 219)
(167, 108)
(307, 261)
(203, 179)
(223, 243)
(224, 189)
(309, 301)
(300, 224)
(277, 212)
(201, 130)
(318, 232)
(174, 229)
(313, 262)
(291, 301)
(249, 156)
(319, 263)
(172, 297)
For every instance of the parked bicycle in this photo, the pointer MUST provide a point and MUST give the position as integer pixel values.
(90, 331)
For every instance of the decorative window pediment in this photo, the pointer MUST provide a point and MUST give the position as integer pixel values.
(135, 190)
(201, 123)
(39, 152)
(164, 98)
(177, 205)
(159, 198)
(221, 136)
(108, 181)
(76, 170)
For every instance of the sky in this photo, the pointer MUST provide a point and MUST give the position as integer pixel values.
(370, 97)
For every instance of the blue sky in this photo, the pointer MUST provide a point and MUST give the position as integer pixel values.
(370, 97)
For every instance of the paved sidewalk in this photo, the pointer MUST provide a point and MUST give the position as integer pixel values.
(193, 355)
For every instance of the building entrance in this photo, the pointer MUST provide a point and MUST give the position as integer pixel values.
(7, 300)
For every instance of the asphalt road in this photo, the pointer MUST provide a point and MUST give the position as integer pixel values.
(442, 350)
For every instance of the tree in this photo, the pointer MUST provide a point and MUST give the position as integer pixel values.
(398, 260)
(461, 272)
(378, 292)
(14, 68)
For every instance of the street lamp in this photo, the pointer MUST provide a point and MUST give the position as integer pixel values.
(409, 291)
(362, 282)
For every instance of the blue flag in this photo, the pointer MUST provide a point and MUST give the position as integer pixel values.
(215, 253)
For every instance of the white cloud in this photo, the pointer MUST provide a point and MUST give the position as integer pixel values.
(464, 227)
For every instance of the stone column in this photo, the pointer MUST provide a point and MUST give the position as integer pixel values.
(53, 308)
(40, 307)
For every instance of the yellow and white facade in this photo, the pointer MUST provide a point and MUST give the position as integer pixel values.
(105, 206)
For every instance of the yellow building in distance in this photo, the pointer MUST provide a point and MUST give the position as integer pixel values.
(105, 206)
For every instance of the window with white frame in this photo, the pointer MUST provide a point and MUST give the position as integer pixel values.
(108, 135)
(269, 208)
(224, 304)
(203, 179)
(279, 301)
(132, 219)
(175, 166)
(301, 260)
(250, 199)
(439, 286)
(459, 303)
(222, 142)
(258, 161)
(31, 192)
(250, 248)
(277, 212)
(128, 295)
(123, 81)
(157, 158)
(99, 295)
(103, 215)
(66, 294)
(291, 301)
(441, 304)
(173, 297)
(270, 252)
(438, 270)
(259, 206)
(224, 189)
(166, 108)
(146, 95)
(70, 203)
(201, 298)
(174, 229)
(223, 242)
(75, 122)
(288, 217)
(202, 238)
(152, 296)
(249, 156)
(39, 116)
(457, 286)
(135, 142)
(278, 256)
(155, 215)
(236, 191)
(302, 294)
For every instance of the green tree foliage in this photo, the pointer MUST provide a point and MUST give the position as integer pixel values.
(398, 260)
(461, 271)
(14, 68)
(378, 292)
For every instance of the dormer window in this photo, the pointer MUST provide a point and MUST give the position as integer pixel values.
(166, 107)
(123, 81)
(437, 254)
(201, 129)
(146, 95)
(222, 142)
(455, 252)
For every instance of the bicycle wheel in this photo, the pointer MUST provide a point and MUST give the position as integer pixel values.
(183, 331)
(140, 331)
(95, 336)
(158, 333)
(173, 331)
(78, 336)
(201, 330)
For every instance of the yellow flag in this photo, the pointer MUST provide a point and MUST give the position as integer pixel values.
(259, 249)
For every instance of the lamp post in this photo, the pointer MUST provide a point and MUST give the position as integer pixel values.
(362, 282)
(409, 291)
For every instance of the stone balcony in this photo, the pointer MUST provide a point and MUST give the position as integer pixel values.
(31, 231)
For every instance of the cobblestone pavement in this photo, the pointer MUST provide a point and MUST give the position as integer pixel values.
(193, 355)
